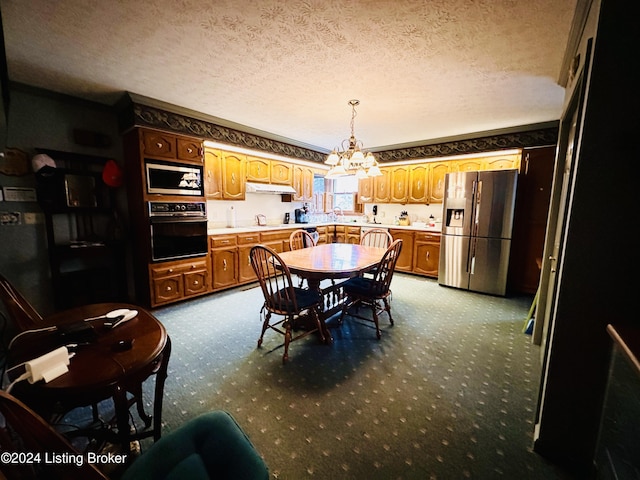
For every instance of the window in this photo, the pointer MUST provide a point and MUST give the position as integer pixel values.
(345, 190)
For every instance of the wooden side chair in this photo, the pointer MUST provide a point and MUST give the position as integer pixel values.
(283, 299)
(376, 237)
(20, 311)
(300, 239)
(211, 445)
(370, 290)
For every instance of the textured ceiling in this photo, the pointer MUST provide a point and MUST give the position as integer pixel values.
(422, 69)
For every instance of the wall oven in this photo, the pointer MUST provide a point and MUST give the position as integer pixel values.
(173, 179)
(178, 230)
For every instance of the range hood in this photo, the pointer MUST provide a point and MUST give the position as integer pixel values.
(269, 188)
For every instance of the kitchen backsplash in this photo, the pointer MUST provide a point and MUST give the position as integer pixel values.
(218, 212)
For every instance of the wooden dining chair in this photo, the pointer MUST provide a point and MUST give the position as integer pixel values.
(368, 291)
(20, 311)
(376, 237)
(283, 299)
(300, 239)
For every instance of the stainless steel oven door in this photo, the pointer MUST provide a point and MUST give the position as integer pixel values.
(175, 238)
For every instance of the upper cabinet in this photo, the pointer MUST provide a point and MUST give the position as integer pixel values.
(224, 175)
(213, 174)
(418, 184)
(424, 182)
(233, 176)
(381, 188)
(303, 183)
(165, 145)
(281, 173)
(399, 191)
(258, 169)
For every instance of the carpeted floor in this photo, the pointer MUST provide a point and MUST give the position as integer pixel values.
(449, 392)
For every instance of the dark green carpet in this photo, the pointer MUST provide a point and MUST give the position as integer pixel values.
(449, 392)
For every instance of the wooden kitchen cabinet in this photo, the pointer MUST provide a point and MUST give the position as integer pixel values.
(303, 183)
(418, 176)
(165, 145)
(281, 173)
(405, 260)
(352, 235)
(322, 235)
(213, 174)
(233, 176)
(426, 253)
(381, 187)
(365, 189)
(258, 170)
(277, 240)
(246, 241)
(224, 175)
(399, 187)
(224, 261)
(436, 176)
(177, 280)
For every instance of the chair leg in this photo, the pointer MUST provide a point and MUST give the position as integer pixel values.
(287, 339)
(316, 317)
(374, 309)
(387, 307)
(265, 325)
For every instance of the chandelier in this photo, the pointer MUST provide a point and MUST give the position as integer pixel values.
(349, 159)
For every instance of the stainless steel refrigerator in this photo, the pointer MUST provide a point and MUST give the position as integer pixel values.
(476, 230)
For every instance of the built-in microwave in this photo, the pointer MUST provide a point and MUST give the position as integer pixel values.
(173, 179)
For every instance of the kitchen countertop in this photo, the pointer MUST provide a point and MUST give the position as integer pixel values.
(254, 228)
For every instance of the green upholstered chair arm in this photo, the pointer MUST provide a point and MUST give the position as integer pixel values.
(209, 446)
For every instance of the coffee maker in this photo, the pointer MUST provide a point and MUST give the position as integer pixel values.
(301, 215)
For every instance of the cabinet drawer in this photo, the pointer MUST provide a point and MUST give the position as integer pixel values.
(353, 230)
(222, 241)
(248, 238)
(164, 270)
(427, 237)
(274, 236)
(341, 229)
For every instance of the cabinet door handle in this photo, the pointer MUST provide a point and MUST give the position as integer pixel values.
(168, 289)
(170, 270)
(248, 259)
(189, 150)
(224, 264)
(196, 283)
(233, 178)
(159, 145)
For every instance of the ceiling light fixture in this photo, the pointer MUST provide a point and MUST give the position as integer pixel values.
(350, 159)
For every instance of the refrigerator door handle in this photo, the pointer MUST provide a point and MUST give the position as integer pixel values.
(471, 259)
(476, 207)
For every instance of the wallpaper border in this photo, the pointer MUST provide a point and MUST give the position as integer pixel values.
(140, 115)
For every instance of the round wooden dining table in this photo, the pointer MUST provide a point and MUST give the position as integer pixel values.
(331, 261)
(107, 363)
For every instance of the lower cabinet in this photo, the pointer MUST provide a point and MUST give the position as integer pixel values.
(426, 254)
(173, 281)
(405, 260)
(224, 260)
